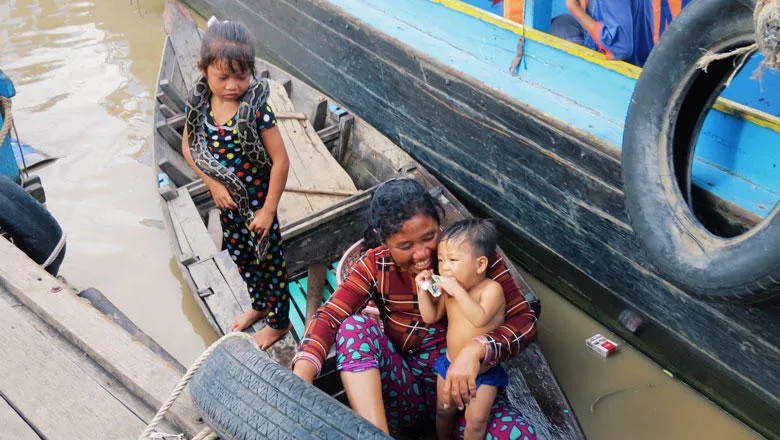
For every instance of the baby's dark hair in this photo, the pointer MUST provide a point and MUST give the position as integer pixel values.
(481, 234)
(395, 202)
(228, 42)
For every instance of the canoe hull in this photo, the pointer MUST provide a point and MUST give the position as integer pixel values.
(555, 191)
(319, 238)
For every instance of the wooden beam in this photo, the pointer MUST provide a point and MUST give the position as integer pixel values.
(176, 122)
(344, 141)
(291, 115)
(329, 133)
(171, 136)
(319, 113)
(166, 111)
(172, 163)
(315, 288)
(170, 91)
(324, 192)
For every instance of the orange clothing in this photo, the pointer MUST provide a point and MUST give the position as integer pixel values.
(513, 10)
(675, 6)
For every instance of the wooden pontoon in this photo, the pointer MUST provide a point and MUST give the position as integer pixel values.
(67, 370)
(320, 219)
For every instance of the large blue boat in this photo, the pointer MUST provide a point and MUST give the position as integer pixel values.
(539, 150)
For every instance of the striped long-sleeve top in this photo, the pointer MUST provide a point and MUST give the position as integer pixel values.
(376, 277)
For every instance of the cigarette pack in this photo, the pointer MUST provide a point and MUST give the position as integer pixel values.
(601, 345)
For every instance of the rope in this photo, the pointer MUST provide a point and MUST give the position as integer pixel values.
(766, 20)
(8, 118)
(206, 433)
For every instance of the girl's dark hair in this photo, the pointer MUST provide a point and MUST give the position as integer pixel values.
(479, 233)
(228, 42)
(395, 202)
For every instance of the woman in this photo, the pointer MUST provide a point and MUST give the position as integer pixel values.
(388, 374)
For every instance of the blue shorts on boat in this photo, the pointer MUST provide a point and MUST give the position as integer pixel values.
(495, 376)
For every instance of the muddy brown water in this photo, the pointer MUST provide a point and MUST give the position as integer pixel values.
(85, 73)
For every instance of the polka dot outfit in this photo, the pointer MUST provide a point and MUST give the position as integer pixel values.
(266, 279)
(409, 381)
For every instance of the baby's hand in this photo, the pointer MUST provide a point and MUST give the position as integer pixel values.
(423, 276)
(451, 286)
(424, 281)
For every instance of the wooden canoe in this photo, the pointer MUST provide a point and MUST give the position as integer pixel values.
(312, 240)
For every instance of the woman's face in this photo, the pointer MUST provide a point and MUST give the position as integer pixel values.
(413, 247)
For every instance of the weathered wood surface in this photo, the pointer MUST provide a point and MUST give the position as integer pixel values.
(52, 392)
(89, 367)
(13, 426)
(185, 39)
(311, 164)
(132, 364)
(555, 191)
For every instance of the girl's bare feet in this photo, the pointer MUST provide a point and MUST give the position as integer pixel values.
(267, 336)
(246, 319)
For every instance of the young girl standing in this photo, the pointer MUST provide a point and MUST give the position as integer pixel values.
(232, 142)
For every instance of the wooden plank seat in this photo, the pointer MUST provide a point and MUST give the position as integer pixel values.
(311, 164)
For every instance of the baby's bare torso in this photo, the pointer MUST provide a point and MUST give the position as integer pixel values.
(459, 329)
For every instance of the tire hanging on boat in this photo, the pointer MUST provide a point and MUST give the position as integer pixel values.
(30, 226)
(667, 110)
(244, 394)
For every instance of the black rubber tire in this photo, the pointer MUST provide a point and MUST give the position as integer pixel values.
(243, 394)
(664, 119)
(30, 226)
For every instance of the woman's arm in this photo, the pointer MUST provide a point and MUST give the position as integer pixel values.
(218, 191)
(349, 298)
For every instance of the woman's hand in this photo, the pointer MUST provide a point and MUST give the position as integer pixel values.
(461, 382)
(305, 370)
(221, 195)
(261, 224)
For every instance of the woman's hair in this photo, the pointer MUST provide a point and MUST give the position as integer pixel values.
(395, 202)
(228, 42)
(480, 234)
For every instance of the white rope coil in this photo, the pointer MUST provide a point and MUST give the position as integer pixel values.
(8, 119)
(206, 433)
(766, 21)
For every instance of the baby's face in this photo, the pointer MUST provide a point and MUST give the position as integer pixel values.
(457, 260)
